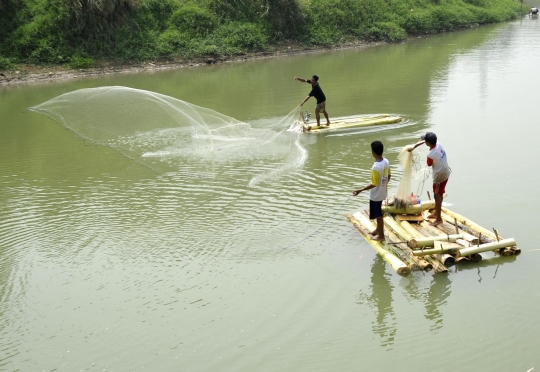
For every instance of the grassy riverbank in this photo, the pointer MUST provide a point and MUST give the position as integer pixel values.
(87, 33)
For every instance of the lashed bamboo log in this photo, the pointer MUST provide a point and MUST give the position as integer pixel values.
(446, 259)
(439, 248)
(425, 232)
(397, 265)
(402, 254)
(470, 234)
(407, 255)
(411, 230)
(468, 222)
(436, 231)
(429, 241)
(468, 230)
(476, 257)
(463, 243)
(413, 209)
(488, 235)
(396, 227)
(486, 247)
(438, 266)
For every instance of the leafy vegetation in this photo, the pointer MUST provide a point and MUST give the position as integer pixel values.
(80, 32)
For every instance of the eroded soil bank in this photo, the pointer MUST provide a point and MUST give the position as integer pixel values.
(30, 73)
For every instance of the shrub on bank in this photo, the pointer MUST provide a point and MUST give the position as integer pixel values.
(62, 31)
(78, 62)
(386, 31)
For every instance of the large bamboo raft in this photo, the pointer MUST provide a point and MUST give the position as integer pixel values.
(413, 244)
(352, 122)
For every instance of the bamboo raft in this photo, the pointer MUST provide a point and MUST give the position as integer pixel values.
(413, 244)
(350, 122)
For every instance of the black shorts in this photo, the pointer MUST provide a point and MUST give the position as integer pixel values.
(375, 209)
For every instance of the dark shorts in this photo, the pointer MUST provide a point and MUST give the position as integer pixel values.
(375, 209)
(440, 188)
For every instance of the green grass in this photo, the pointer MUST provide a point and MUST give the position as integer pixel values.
(79, 32)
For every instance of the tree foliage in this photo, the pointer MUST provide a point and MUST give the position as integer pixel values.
(79, 32)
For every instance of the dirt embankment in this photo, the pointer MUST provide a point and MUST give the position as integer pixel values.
(30, 73)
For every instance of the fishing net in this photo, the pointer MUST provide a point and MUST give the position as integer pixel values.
(404, 196)
(164, 133)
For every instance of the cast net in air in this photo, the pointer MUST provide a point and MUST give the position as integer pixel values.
(166, 134)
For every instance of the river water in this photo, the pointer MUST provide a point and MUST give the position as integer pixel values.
(105, 265)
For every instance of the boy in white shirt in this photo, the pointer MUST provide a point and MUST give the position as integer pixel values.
(380, 175)
(436, 158)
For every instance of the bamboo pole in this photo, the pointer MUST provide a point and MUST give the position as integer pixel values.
(486, 247)
(438, 266)
(429, 241)
(467, 229)
(442, 229)
(396, 227)
(446, 259)
(413, 209)
(463, 243)
(420, 228)
(401, 253)
(439, 248)
(467, 222)
(395, 232)
(469, 234)
(411, 230)
(407, 255)
(396, 264)
(490, 236)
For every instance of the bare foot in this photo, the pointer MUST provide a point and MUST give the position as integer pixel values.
(377, 238)
(436, 223)
(328, 124)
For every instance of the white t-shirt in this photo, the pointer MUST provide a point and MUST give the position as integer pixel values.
(441, 170)
(379, 178)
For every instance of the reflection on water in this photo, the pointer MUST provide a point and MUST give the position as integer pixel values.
(487, 267)
(433, 297)
(435, 300)
(380, 300)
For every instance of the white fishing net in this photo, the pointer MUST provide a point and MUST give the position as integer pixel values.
(163, 133)
(404, 196)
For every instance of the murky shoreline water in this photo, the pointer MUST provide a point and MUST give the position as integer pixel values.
(106, 264)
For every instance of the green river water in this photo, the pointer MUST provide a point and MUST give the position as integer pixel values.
(108, 266)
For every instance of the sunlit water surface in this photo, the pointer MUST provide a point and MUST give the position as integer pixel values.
(107, 265)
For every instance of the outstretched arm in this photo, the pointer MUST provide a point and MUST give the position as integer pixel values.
(304, 101)
(368, 187)
(415, 145)
(300, 79)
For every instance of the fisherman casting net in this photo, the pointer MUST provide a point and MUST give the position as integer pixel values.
(405, 197)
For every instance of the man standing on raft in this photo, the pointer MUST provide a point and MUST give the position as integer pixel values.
(316, 92)
(380, 176)
(436, 158)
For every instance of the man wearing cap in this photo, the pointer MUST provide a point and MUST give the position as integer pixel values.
(437, 160)
(316, 92)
